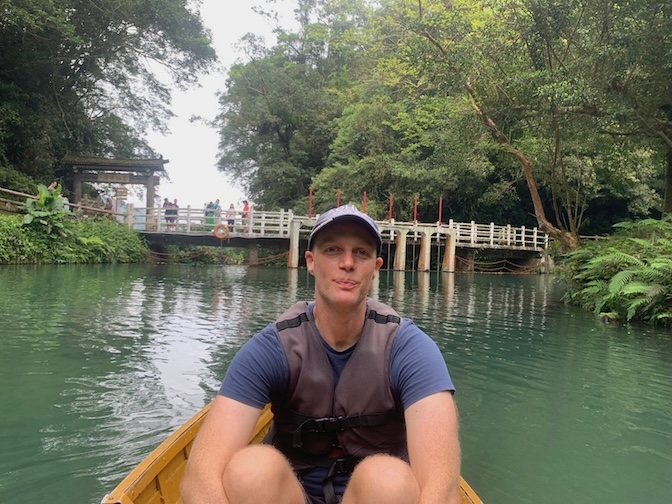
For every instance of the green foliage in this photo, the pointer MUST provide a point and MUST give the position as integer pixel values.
(629, 274)
(91, 241)
(278, 110)
(81, 77)
(370, 97)
(48, 213)
(16, 181)
(200, 255)
(106, 240)
(218, 255)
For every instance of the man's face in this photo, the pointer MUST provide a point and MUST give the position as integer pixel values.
(344, 262)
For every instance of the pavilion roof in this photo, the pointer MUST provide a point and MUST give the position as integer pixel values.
(121, 165)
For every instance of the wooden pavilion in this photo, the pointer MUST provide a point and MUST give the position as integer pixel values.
(114, 171)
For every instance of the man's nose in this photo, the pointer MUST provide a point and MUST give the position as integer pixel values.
(347, 259)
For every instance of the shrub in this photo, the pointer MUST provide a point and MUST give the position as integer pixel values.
(628, 276)
(91, 241)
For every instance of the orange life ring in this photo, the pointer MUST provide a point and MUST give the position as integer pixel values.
(221, 231)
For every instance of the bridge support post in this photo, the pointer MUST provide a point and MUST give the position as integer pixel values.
(293, 259)
(253, 252)
(449, 255)
(424, 260)
(400, 250)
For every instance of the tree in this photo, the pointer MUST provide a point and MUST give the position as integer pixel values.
(523, 69)
(278, 109)
(86, 78)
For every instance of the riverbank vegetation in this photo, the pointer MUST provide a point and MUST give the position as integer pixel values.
(91, 240)
(49, 233)
(627, 277)
(219, 255)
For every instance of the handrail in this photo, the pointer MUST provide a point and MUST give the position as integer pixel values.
(71, 205)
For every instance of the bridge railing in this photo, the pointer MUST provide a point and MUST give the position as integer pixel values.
(471, 234)
(277, 225)
(202, 221)
(495, 236)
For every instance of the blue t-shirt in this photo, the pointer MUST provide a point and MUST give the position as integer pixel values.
(259, 373)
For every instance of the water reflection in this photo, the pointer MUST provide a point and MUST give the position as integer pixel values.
(448, 282)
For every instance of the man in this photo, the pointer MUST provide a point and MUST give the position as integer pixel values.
(343, 433)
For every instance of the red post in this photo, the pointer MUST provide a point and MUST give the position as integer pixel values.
(440, 209)
(364, 203)
(338, 198)
(310, 201)
(415, 210)
(389, 212)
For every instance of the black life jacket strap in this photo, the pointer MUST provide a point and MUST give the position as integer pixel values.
(335, 466)
(333, 424)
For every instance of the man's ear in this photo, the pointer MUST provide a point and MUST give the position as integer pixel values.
(310, 260)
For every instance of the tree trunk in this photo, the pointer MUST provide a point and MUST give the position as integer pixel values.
(570, 241)
(667, 202)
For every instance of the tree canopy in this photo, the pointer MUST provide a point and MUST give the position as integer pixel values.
(550, 112)
(90, 78)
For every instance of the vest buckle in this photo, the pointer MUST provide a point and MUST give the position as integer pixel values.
(329, 424)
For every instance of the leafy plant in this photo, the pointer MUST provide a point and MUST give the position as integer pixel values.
(628, 276)
(47, 210)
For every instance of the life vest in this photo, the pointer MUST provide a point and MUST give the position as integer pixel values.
(335, 425)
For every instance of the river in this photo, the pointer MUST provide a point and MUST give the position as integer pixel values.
(98, 364)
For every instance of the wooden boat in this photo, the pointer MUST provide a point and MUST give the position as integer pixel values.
(156, 479)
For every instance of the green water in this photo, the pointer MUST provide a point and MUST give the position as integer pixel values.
(98, 364)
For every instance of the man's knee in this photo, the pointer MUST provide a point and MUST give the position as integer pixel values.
(384, 479)
(258, 473)
(253, 464)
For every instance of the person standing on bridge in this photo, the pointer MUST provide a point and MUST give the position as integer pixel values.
(231, 217)
(362, 399)
(172, 211)
(246, 216)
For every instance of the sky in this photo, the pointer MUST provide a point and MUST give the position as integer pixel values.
(191, 147)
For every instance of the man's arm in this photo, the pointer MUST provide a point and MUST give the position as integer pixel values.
(226, 429)
(434, 448)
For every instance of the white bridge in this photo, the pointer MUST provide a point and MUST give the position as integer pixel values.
(285, 226)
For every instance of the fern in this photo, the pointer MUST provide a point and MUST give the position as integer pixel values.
(619, 280)
(665, 317)
(662, 263)
(615, 258)
(629, 274)
(634, 307)
(642, 242)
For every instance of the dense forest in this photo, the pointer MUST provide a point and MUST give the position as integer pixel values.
(548, 113)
